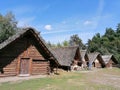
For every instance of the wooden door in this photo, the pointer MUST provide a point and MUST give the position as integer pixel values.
(24, 66)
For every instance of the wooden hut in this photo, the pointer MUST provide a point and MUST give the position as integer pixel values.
(67, 56)
(26, 53)
(95, 60)
(85, 59)
(110, 61)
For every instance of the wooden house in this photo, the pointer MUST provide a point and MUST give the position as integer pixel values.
(85, 59)
(110, 61)
(67, 57)
(95, 60)
(24, 54)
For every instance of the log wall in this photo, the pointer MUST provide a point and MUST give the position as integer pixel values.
(24, 47)
(40, 67)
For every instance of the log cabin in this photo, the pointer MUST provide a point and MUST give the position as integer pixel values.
(67, 57)
(26, 53)
(95, 60)
(110, 61)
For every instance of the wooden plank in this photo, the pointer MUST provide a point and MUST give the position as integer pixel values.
(40, 65)
(39, 69)
(9, 69)
(40, 61)
(6, 75)
(10, 73)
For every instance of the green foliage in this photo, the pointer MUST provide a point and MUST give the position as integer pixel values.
(59, 44)
(8, 26)
(65, 43)
(109, 43)
(74, 40)
(49, 44)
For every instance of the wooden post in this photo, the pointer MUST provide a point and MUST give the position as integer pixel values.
(68, 69)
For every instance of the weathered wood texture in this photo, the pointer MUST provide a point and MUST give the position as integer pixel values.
(111, 64)
(77, 58)
(97, 65)
(7, 66)
(40, 67)
(25, 47)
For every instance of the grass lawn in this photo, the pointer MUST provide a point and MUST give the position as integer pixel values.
(103, 79)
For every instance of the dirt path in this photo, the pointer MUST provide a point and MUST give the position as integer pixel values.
(17, 78)
(105, 77)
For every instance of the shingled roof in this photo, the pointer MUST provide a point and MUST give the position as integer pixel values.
(65, 55)
(23, 31)
(107, 58)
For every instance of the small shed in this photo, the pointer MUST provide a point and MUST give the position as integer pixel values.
(26, 53)
(85, 59)
(95, 60)
(110, 60)
(67, 56)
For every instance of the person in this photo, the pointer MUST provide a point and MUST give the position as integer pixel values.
(90, 65)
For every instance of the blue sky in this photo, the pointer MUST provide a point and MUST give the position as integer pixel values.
(57, 20)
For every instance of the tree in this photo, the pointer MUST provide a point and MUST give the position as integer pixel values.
(118, 28)
(8, 26)
(95, 43)
(109, 43)
(75, 40)
(118, 31)
(65, 43)
(110, 34)
(59, 44)
(49, 44)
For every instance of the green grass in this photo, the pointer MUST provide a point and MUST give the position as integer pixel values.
(65, 81)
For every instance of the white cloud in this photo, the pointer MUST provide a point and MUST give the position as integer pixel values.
(55, 38)
(87, 22)
(70, 25)
(60, 31)
(48, 27)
